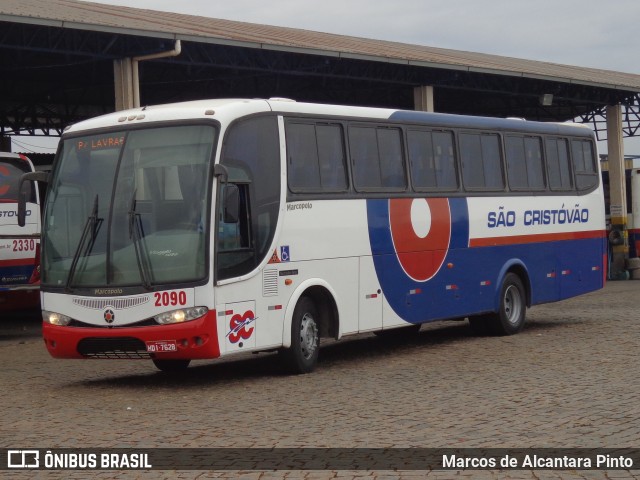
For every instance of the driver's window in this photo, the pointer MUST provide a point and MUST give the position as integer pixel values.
(235, 252)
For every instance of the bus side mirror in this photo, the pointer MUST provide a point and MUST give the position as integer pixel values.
(22, 196)
(231, 203)
(22, 208)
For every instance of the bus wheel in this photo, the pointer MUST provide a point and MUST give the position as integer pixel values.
(302, 356)
(513, 307)
(171, 365)
(511, 315)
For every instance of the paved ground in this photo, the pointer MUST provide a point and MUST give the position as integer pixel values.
(570, 379)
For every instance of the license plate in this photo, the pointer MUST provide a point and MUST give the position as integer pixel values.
(160, 346)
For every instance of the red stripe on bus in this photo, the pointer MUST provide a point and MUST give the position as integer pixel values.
(537, 238)
(18, 262)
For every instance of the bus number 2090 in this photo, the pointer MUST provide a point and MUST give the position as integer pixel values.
(165, 299)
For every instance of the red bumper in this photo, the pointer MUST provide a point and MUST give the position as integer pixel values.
(197, 339)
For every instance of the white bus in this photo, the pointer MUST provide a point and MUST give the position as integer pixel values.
(19, 247)
(204, 229)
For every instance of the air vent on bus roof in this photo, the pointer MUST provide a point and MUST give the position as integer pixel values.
(281, 99)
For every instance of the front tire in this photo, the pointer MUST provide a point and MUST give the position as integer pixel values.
(302, 356)
(171, 365)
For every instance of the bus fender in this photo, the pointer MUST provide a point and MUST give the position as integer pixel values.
(517, 266)
(293, 301)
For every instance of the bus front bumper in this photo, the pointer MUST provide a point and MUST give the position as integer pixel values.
(196, 339)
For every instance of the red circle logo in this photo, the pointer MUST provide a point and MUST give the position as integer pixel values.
(421, 232)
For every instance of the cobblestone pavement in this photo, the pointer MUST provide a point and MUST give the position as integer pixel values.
(570, 379)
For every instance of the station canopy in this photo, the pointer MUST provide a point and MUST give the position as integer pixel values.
(57, 60)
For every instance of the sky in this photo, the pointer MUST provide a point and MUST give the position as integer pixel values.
(586, 33)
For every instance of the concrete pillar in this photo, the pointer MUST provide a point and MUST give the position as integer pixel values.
(123, 79)
(5, 144)
(423, 98)
(617, 190)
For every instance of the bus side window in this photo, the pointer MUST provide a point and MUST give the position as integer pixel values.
(524, 163)
(559, 172)
(584, 164)
(481, 161)
(304, 174)
(331, 156)
(251, 153)
(377, 158)
(535, 171)
(316, 159)
(432, 160)
(234, 237)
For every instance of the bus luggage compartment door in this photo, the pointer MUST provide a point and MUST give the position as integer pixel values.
(239, 324)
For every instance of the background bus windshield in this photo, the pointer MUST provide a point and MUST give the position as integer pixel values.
(11, 169)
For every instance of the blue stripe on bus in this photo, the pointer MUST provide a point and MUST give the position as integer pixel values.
(443, 120)
(468, 280)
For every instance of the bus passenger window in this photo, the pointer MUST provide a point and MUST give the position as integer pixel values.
(584, 164)
(432, 160)
(331, 157)
(391, 159)
(557, 152)
(302, 157)
(376, 154)
(533, 152)
(524, 163)
(315, 158)
(481, 161)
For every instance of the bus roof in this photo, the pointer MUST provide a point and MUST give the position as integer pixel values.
(226, 110)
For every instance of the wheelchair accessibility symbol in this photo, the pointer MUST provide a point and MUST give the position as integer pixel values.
(284, 254)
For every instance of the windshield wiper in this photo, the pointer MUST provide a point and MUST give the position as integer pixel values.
(90, 230)
(136, 233)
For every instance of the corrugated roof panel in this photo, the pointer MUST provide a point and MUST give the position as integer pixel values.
(94, 15)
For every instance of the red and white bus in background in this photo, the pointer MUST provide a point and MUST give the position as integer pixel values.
(204, 229)
(19, 246)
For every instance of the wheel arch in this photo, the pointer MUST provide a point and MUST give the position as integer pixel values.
(324, 298)
(517, 267)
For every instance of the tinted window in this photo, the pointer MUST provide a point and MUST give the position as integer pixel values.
(376, 155)
(557, 150)
(481, 162)
(584, 164)
(524, 163)
(302, 157)
(11, 169)
(251, 153)
(315, 158)
(535, 170)
(432, 160)
(331, 157)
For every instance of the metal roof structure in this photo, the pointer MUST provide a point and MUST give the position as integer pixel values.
(57, 68)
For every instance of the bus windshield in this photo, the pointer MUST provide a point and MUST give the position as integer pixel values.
(129, 208)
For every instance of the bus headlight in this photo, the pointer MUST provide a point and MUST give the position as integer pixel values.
(55, 318)
(181, 315)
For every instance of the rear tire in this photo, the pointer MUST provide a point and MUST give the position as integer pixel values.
(302, 356)
(511, 315)
(171, 365)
